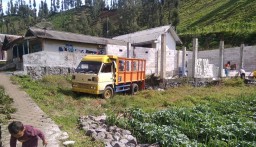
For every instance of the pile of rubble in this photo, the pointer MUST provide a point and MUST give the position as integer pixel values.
(112, 136)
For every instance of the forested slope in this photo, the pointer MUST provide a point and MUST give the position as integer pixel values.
(233, 21)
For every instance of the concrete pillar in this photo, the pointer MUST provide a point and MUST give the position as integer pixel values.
(5, 55)
(159, 60)
(221, 56)
(23, 49)
(184, 61)
(241, 65)
(133, 52)
(28, 46)
(17, 49)
(163, 57)
(129, 47)
(194, 57)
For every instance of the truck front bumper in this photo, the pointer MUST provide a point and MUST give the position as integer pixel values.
(85, 88)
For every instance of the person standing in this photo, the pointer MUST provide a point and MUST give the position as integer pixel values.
(227, 68)
(242, 73)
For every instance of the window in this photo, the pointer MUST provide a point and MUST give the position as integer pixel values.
(106, 68)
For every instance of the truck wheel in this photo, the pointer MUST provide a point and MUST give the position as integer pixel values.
(135, 88)
(108, 93)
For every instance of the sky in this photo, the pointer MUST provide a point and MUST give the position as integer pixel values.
(4, 3)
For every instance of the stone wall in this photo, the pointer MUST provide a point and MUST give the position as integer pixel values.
(43, 63)
(232, 55)
(50, 63)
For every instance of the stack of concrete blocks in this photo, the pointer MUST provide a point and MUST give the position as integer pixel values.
(203, 69)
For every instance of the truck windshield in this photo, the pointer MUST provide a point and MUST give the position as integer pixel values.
(88, 67)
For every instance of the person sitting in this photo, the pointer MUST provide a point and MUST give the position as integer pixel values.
(254, 74)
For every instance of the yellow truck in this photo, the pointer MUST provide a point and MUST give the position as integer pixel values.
(106, 75)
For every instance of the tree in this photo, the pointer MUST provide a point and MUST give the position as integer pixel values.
(45, 9)
(30, 4)
(34, 4)
(58, 5)
(44, 25)
(84, 26)
(78, 3)
(88, 2)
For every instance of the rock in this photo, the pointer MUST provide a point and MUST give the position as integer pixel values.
(90, 132)
(94, 126)
(112, 128)
(100, 130)
(101, 118)
(64, 136)
(112, 136)
(123, 141)
(107, 144)
(109, 136)
(126, 132)
(68, 143)
(87, 127)
(118, 144)
(101, 135)
(130, 145)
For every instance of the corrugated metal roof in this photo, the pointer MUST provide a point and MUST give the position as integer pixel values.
(8, 37)
(9, 40)
(72, 37)
(2, 38)
(148, 35)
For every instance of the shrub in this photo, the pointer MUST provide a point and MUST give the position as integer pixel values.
(234, 82)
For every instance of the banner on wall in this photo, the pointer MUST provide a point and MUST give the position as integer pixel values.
(70, 48)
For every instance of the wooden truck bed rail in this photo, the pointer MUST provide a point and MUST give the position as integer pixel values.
(130, 70)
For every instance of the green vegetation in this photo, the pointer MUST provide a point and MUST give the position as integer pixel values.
(212, 20)
(5, 106)
(218, 114)
(233, 21)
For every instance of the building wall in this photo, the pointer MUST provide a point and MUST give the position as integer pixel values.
(61, 59)
(232, 55)
(62, 46)
(170, 42)
(117, 50)
(151, 56)
(52, 63)
(3, 55)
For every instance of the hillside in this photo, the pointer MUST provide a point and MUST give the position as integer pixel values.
(218, 15)
(210, 20)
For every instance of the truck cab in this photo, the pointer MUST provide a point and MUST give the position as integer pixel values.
(107, 74)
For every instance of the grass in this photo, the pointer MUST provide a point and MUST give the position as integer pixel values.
(54, 96)
(5, 106)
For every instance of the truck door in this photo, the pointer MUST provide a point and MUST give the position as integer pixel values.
(106, 73)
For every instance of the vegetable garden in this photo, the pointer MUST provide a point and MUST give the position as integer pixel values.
(222, 115)
(230, 122)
